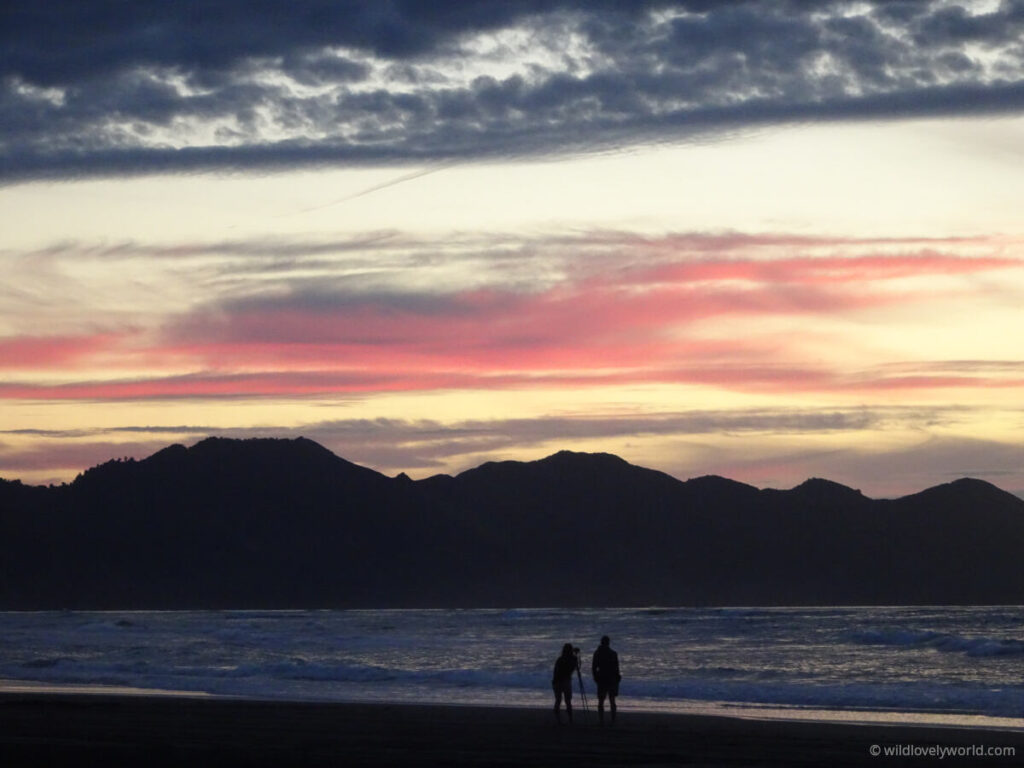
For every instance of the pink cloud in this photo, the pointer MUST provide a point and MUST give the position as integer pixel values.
(594, 313)
(633, 324)
(35, 352)
(760, 377)
(228, 385)
(598, 323)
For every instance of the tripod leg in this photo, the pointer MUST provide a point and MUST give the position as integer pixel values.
(583, 692)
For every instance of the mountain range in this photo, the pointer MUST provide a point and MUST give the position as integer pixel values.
(271, 523)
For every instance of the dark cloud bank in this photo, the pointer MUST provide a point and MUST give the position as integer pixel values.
(104, 88)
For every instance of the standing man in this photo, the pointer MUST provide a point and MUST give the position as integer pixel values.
(605, 668)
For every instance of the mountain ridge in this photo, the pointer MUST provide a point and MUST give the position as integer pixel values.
(177, 450)
(270, 522)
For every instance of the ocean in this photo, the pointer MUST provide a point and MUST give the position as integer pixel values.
(957, 665)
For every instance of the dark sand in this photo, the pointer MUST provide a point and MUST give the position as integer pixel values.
(63, 730)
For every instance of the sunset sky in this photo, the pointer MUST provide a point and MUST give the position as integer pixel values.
(768, 240)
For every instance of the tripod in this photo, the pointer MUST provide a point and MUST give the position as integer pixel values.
(579, 677)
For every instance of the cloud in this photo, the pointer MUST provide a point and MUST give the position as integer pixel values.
(431, 440)
(758, 445)
(112, 90)
(632, 317)
(386, 313)
(108, 37)
(834, 270)
(35, 352)
(59, 458)
(759, 375)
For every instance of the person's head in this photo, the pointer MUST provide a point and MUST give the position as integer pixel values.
(605, 641)
(567, 649)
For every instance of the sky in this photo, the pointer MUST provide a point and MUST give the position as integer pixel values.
(769, 241)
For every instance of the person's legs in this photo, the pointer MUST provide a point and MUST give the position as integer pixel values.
(611, 704)
(600, 706)
(563, 692)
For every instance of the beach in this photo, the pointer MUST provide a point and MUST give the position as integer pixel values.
(58, 729)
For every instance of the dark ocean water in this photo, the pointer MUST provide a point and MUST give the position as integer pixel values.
(917, 663)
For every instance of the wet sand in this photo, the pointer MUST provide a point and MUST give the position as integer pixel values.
(63, 730)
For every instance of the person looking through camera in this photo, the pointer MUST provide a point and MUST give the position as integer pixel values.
(561, 680)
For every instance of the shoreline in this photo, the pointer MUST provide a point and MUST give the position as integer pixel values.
(967, 721)
(119, 729)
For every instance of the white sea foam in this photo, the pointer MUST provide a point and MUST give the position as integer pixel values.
(954, 661)
(951, 643)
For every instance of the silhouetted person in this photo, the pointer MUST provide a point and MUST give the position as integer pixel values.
(561, 679)
(605, 668)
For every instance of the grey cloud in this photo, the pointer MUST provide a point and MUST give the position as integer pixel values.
(253, 249)
(119, 78)
(404, 248)
(546, 428)
(953, 25)
(407, 444)
(53, 42)
(958, 366)
(63, 434)
(71, 455)
(318, 70)
(424, 446)
(541, 134)
(398, 445)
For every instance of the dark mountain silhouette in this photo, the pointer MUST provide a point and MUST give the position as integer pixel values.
(286, 523)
